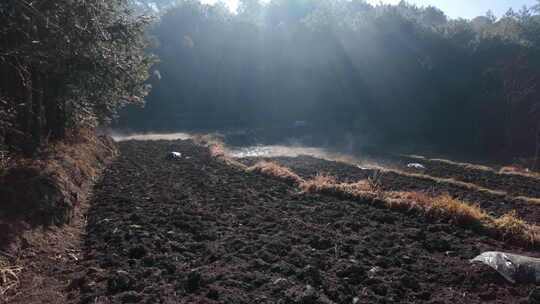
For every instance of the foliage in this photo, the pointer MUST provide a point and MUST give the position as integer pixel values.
(390, 75)
(68, 64)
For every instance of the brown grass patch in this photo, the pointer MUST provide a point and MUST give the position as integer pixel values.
(528, 199)
(276, 171)
(60, 175)
(445, 204)
(8, 277)
(212, 142)
(416, 156)
(450, 181)
(465, 165)
(507, 227)
(217, 149)
(510, 170)
(513, 228)
(327, 184)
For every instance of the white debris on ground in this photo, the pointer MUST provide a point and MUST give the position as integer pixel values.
(515, 268)
(362, 168)
(415, 166)
(174, 155)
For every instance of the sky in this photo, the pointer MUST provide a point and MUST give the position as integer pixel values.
(453, 8)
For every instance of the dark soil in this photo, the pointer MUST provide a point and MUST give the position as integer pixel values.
(308, 167)
(198, 231)
(514, 184)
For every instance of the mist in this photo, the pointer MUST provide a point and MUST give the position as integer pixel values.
(347, 75)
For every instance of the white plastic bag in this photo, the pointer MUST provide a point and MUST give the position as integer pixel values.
(415, 166)
(174, 155)
(515, 268)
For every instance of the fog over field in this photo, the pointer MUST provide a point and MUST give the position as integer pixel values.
(401, 77)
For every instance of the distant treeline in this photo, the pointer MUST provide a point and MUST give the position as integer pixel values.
(389, 74)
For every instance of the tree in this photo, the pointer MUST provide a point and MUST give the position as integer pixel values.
(69, 64)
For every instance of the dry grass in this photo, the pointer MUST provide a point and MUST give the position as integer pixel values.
(327, 184)
(8, 277)
(70, 167)
(465, 165)
(444, 205)
(507, 227)
(415, 156)
(212, 142)
(515, 229)
(504, 170)
(450, 181)
(217, 149)
(527, 199)
(275, 171)
(510, 170)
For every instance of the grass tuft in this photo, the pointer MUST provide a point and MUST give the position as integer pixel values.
(509, 170)
(327, 184)
(511, 227)
(507, 227)
(442, 205)
(464, 165)
(212, 142)
(450, 181)
(8, 277)
(276, 171)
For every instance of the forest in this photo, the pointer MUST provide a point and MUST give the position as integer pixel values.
(387, 75)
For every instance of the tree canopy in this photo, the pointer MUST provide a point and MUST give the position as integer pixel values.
(66, 65)
(387, 74)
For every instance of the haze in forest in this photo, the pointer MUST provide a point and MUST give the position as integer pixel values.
(347, 74)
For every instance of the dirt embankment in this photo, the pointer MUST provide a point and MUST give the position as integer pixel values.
(41, 210)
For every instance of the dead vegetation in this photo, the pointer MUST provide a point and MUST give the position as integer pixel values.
(212, 142)
(275, 171)
(508, 227)
(528, 199)
(464, 165)
(216, 148)
(450, 181)
(511, 170)
(60, 176)
(9, 277)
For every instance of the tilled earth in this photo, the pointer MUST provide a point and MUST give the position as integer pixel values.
(308, 167)
(514, 184)
(195, 230)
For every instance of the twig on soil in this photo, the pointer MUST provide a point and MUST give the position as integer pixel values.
(8, 278)
(8, 255)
